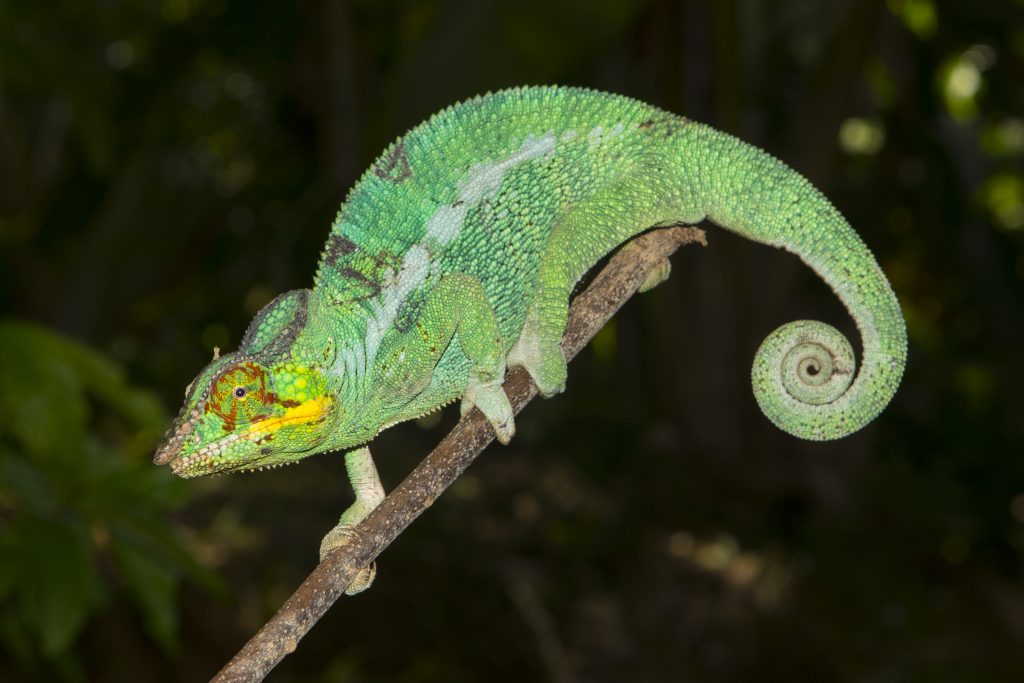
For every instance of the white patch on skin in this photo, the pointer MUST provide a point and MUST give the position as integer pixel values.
(415, 268)
(568, 135)
(598, 135)
(351, 360)
(482, 181)
(445, 224)
(421, 261)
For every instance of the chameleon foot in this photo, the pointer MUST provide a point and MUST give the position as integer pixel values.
(546, 367)
(490, 398)
(362, 473)
(336, 538)
(539, 351)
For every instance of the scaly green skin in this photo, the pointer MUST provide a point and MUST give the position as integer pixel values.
(456, 253)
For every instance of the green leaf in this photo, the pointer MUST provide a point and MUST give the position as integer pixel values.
(69, 424)
(41, 401)
(152, 585)
(60, 585)
(29, 488)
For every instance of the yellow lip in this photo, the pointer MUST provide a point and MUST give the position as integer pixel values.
(308, 411)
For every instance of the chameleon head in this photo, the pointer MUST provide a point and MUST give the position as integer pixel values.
(257, 407)
(243, 414)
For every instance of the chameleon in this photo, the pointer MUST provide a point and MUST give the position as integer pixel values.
(454, 258)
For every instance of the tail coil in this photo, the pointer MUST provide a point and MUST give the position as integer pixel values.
(804, 375)
(799, 367)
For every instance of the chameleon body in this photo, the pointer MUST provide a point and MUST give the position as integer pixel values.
(455, 255)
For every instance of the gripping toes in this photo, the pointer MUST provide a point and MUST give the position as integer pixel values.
(544, 361)
(490, 398)
(338, 537)
(362, 473)
(538, 348)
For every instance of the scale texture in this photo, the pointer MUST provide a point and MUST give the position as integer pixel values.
(455, 255)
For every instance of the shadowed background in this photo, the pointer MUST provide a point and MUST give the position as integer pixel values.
(168, 166)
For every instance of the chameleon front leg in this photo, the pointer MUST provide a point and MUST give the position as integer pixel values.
(362, 473)
(457, 305)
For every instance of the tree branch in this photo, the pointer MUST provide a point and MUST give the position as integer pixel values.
(279, 637)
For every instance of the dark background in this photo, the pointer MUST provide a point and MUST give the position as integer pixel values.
(167, 166)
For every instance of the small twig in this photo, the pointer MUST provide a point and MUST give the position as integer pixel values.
(612, 287)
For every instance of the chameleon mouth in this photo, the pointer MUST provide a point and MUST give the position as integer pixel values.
(216, 456)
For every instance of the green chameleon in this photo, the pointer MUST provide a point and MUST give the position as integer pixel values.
(455, 255)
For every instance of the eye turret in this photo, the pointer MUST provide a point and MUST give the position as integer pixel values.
(240, 392)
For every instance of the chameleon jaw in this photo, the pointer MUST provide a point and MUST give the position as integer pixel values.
(245, 444)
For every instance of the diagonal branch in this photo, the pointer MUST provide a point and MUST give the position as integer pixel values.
(612, 287)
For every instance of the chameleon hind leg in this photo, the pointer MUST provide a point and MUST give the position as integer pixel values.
(539, 347)
(362, 473)
(578, 240)
(456, 307)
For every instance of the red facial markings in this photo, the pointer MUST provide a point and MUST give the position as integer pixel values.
(239, 395)
(241, 387)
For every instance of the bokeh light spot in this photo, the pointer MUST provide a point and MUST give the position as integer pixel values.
(1003, 196)
(918, 16)
(961, 80)
(861, 136)
(120, 54)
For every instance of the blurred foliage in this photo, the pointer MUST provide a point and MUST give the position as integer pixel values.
(167, 166)
(83, 514)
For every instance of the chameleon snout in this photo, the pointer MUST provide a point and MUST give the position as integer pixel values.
(175, 437)
(170, 448)
(166, 453)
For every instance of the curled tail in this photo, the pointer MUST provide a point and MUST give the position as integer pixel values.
(803, 373)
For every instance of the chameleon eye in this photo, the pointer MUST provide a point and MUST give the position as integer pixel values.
(239, 390)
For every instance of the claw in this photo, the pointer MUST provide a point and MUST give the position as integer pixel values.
(490, 398)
